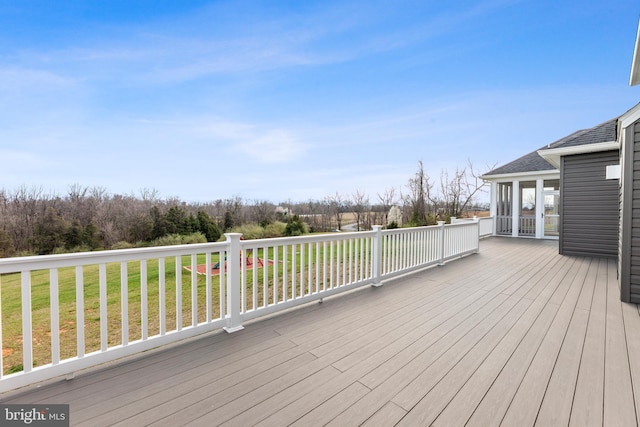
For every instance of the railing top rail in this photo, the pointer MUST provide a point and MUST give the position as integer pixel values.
(325, 237)
(468, 223)
(474, 218)
(37, 262)
(427, 227)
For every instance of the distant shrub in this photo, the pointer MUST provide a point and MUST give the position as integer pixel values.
(74, 249)
(23, 253)
(194, 238)
(275, 229)
(179, 239)
(122, 245)
(296, 227)
(392, 225)
(249, 231)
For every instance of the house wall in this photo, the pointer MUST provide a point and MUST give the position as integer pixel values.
(629, 253)
(589, 205)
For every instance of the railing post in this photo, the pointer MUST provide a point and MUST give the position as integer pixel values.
(232, 263)
(27, 319)
(377, 256)
(477, 222)
(441, 242)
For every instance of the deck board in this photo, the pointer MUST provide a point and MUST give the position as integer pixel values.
(588, 399)
(514, 335)
(632, 325)
(524, 407)
(618, 394)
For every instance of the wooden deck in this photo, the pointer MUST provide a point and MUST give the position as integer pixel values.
(516, 335)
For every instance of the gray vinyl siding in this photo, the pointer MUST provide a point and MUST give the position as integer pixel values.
(630, 217)
(589, 207)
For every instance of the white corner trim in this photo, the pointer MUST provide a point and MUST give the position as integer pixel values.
(634, 78)
(631, 116)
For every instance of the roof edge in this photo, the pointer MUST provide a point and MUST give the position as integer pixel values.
(548, 172)
(552, 155)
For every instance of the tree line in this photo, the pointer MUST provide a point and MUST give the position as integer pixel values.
(33, 221)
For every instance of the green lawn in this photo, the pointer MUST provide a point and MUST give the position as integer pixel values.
(40, 285)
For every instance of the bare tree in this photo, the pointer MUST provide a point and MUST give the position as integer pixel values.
(473, 184)
(314, 213)
(263, 212)
(233, 211)
(448, 198)
(360, 208)
(93, 218)
(337, 206)
(80, 207)
(458, 191)
(149, 195)
(419, 193)
(27, 205)
(387, 200)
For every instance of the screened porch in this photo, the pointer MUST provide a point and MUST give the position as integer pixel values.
(532, 204)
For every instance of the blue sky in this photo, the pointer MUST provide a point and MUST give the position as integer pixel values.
(297, 100)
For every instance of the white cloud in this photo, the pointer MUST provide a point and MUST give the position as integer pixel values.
(273, 146)
(19, 79)
(254, 141)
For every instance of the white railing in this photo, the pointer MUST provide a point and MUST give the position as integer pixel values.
(527, 225)
(63, 313)
(504, 224)
(486, 224)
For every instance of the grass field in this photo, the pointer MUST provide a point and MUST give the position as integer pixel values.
(40, 285)
(10, 285)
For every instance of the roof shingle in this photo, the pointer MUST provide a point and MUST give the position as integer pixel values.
(533, 162)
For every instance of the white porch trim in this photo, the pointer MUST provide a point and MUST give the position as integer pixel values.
(523, 176)
(539, 208)
(493, 206)
(515, 180)
(553, 155)
(515, 209)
